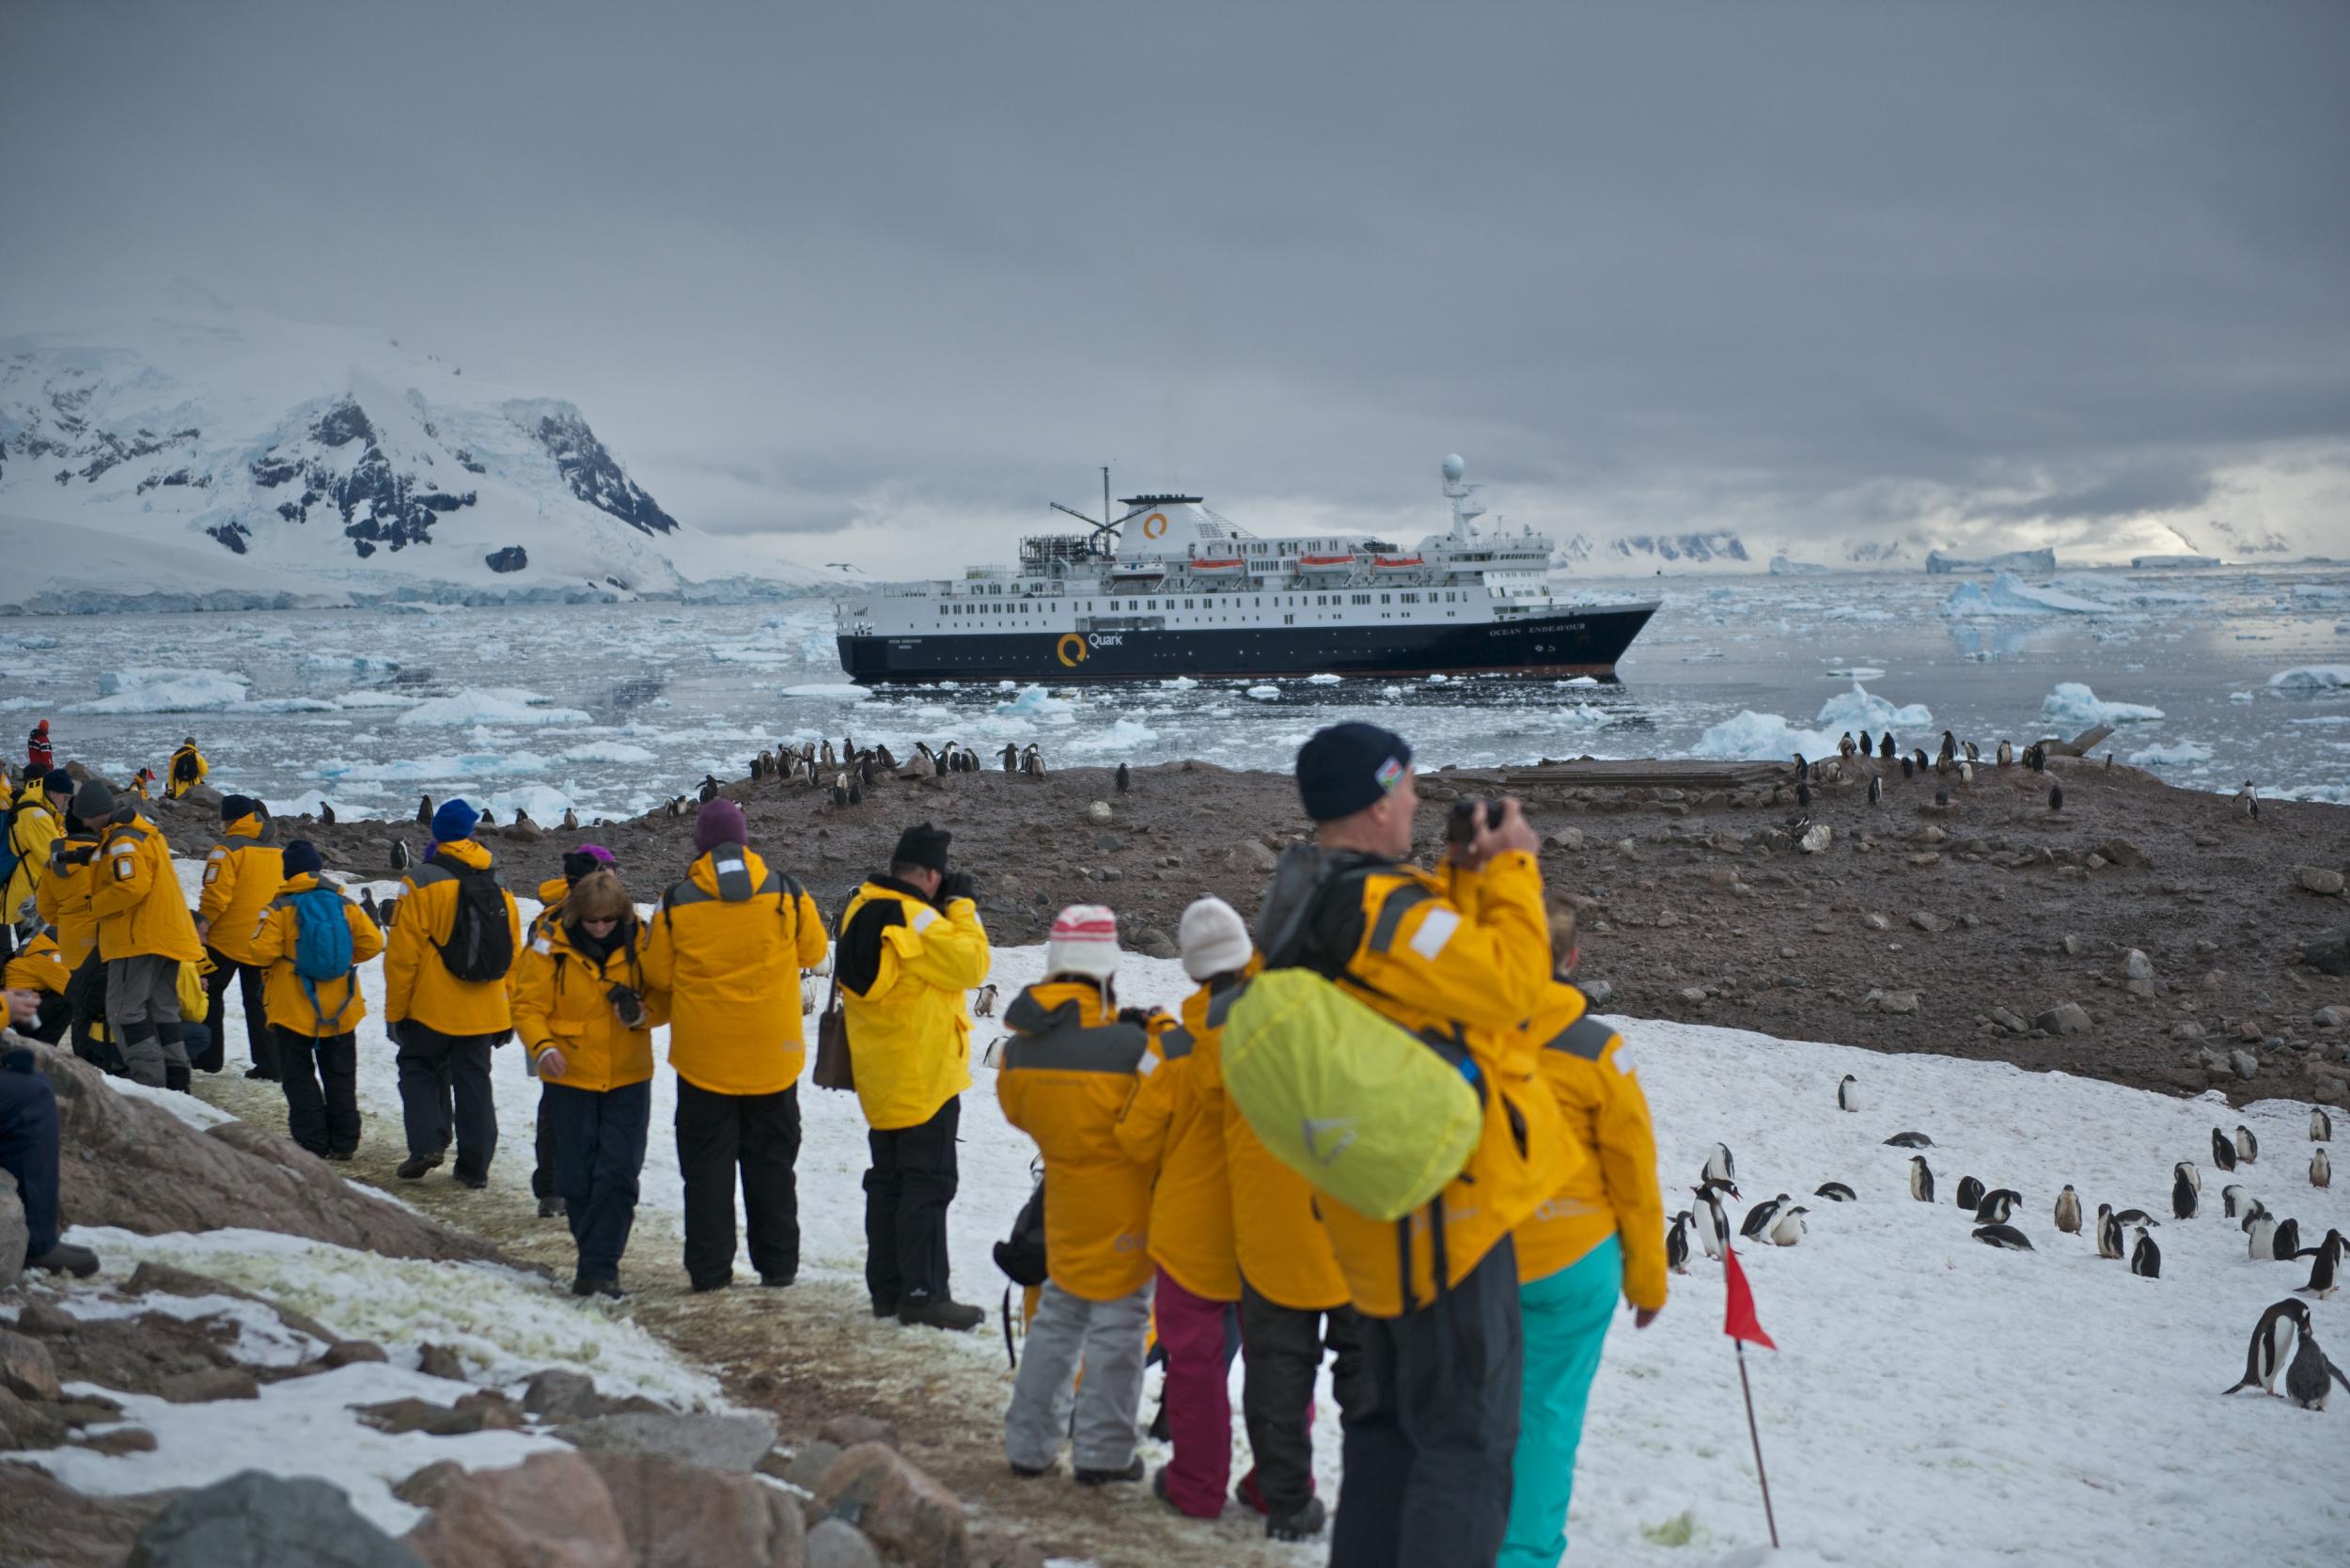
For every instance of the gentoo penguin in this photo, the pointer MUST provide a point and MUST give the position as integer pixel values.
(1886, 748)
(1868, 747)
(1713, 1224)
(522, 819)
(2056, 797)
(1011, 757)
(1972, 755)
(326, 812)
(2181, 1197)
(2286, 1245)
(2262, 1245)
(2003, 1236)
(2188, 1169)
(1788, 1227)
(2324, 1268)
(1758, 1217)
(2310, 1376)
(2146, 1258)
(1908, 771)
(2247, 1148)
(1876, 790)
(1677, 1242)
(1836, 1192)
(2109, 1232)
(1917, 754)
(840, 790)
(1909, 1140)
(1720, 1166)
(424, 810)
(1125, 778)
(2222, 1152)
(366, 905)
(1950, 746)
(571, 820)
(983, 1002)
(2136, 1217)
(709, 790)
(2321, 1169)
(2247, 799)
(856, 792)
(2034, 758)
(1967, 773)
(1803, 794)
(2068, 1211)
(1996, 1206)
(1845, 745)
(1848, 1093)
(1803, 769)
(2321, 1126)
(2231, 1202)
(1920, 1179)
(826, 757)
(2005, 756)
(2271, 1346)
(2251, 1209)
(401, 859)
(489, 818)
(1971, 1193)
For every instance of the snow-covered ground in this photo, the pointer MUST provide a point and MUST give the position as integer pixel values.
(1933, 1400)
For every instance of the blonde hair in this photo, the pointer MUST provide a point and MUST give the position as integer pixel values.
(599, 896)
(1562, 937)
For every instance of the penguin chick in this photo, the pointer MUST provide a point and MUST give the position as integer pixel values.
(1848, 1093)
(2310, 1376)
(1787, 1229)
(2146, 1258)
(2321, 1169)
(2003, 1236)
(1677, 1243)
(1836, 1192)
(2068, 1211)
(1920, 1179)
(2247, 1147)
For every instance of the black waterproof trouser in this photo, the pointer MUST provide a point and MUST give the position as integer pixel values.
(259, 1037)
(1282, 1349)
(28, 1151)
(542, 1150)
(1425, 1479)
(907, 1192)
(596, 1151)
(756, 1138)
(320, 1076)
(445, 1087)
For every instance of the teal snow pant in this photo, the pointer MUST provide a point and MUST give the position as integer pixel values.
(1566, 1316)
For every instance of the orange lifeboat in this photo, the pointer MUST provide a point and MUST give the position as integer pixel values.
(1325, 563)
(1397, 563)
(1220, 567)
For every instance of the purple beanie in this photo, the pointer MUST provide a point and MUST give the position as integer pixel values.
(720, 821)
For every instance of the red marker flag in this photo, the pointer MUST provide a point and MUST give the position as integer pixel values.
(1739, 1321)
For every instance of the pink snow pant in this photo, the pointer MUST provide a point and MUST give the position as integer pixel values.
(1199, 1398)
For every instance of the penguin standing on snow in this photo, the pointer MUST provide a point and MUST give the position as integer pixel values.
(2247, 1148)
(366, 905)
(1920, 1179)
(2271, 1346)
(2261, 1244)
(2321, 1126)
(2222, 1152)
(1787, 1229)
(1836, 1192)
(2109, 1232)
(2286, 1245)
(2310, 1376)
(1971, 1193)
(1721, 1167)
(2003, 1236)
(1713, 1224)
(2182, 1197)
(2324, 1268)
(2188, 1169)
(983, 1002)
(1848, 1093)
(2231, 1202)
(1677, 1243)
(1996, 1206)
(2068, 1211)
(1759, 1216)
(2320, 1170)
(2146, 1258)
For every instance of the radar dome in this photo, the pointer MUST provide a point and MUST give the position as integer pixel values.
(1454, 468)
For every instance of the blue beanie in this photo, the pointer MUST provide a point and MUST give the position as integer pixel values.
(301, 858)
(453, 820)
(58, 784)
(1347, 767)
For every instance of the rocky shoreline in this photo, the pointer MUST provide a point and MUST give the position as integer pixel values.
(1992, 928)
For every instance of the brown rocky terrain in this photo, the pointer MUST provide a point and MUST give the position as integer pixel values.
(1965, 931)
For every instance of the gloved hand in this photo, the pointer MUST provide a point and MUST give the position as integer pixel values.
(1137, 1015)
(957, 885)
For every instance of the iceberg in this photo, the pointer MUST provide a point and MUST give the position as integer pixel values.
(2007, 595)
(2073, 707)
(490, 705)
(2041, 561)
(348, 664)
(1265, 693)
(2169, 754)
(1751, 734)
(1782, 566)
(1036, 702)
(2312, 678)
(164, 691)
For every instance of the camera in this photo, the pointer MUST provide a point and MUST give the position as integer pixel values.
(626, 1000)
(1467, 816)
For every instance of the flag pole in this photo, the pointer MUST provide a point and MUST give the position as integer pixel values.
(1752, 1431)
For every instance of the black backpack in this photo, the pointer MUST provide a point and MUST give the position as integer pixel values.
(183, 767)
(480, 945)
(1021, 1255)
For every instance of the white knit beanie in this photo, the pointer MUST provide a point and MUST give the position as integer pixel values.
(1084, 942)
(1215, 939)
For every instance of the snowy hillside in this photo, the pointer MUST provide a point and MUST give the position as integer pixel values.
(205, 456)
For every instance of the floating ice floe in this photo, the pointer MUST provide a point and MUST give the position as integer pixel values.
(1273, 693)
(1125, 735)
(2312, 678)
(2074, 706)
(1857, 672)
(1322, 679)
(1751, 734)
(1580, 681)
(1035, 703)
(2323, 593)
(348, 664)
(2007, 595)
(164, 691)
(2171, 754)
(498, 705)
(822, 693)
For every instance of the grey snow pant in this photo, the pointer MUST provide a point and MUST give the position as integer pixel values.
(1105, 1338)
(143, 1016)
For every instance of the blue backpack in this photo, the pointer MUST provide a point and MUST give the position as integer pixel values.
(323, 948)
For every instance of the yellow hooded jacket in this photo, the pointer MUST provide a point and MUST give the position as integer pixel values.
(909, 1029)
(1463, 957)
(728, 945)
(241, 877)
(283, 995)
(417, 984)
(174, 786)
(39, 965)
(39, 824)
(1174, 1126)
(1589, 1072)
(136, 895)
(561, 1005)
(63, 900)
(1069, 1067)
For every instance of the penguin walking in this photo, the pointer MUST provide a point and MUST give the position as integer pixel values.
(983, 1002)
(2146, 1258)
(2321, 1169)
(2310, 1376)
(2003, 1236)
(1836, 1192)
(1909, 1140)
(2325, 1267)
(1848, 1093)
(1125, 778)
(1787, 1229)
(2068, 1211)
(2321, 1126)
(2271, 1346)
(1920, 1179)
(2181, 1197)
(1721, 1167)
(1677, 1242)
(2109, 1232)
(401, 859)
(2231, 1202)
(2247, 1146)
(1758, 1217)
(1971, 1193)
(1713, 1224)
(2222, 1152)
(2247, 802)
(1996, 1206)
(424, 810)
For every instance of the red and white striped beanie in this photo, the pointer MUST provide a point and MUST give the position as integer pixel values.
(1084, 942)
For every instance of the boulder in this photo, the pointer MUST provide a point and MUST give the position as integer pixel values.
(211, 1384)
(2120, 852)
(2010, 1020)
(684, 1516)
(2245, 1063)
(15, 1236)
(2330, 953)
(2318, 880)
(1816, 839)
(2136, 966)
(350, 1352)
(126, 1162)
(1001, 1546)
(1926, 920)
(253, 1520)
(26, 1369)
(47, 1522)
(904, 1512)
(806, 1468)
(846, 1432)
(1250, 855)
(484, 1411)
(714, 1442)
(557, 1395)
(2065, 1018)
(835, 1544)
(2332, 1017)
(440, 1361)
(549, 1511)
(1565, 838)
(1895, 1001)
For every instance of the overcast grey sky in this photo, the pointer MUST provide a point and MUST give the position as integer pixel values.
(887, 277)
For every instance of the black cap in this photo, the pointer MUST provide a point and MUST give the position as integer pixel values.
(1347, 767)
(300, 857)
(234, 807)
(922, 846)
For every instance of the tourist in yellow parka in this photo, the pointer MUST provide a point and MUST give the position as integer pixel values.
(241, 877)
(37, 820)
(185, 771)
(38, 967)
(728, 945)
(314, 1022)
(144, 933)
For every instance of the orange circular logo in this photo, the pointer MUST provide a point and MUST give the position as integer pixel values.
(1071, 650)
(1154, 525)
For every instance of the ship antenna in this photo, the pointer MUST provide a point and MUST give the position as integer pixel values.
(1105, 531)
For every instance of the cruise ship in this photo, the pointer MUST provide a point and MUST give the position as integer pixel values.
(1168, 588)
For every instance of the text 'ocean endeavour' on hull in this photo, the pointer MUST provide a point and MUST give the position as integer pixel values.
(1169, 588)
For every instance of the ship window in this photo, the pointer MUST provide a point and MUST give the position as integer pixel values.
(1155, 604)
(1386, 600)
(1288, 621)
(1322, 599)
(1187, 604)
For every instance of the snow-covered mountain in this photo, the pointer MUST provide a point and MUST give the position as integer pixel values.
(1645, 553)
(211, 456)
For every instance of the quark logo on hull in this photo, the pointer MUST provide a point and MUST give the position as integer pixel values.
(1073, 649)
